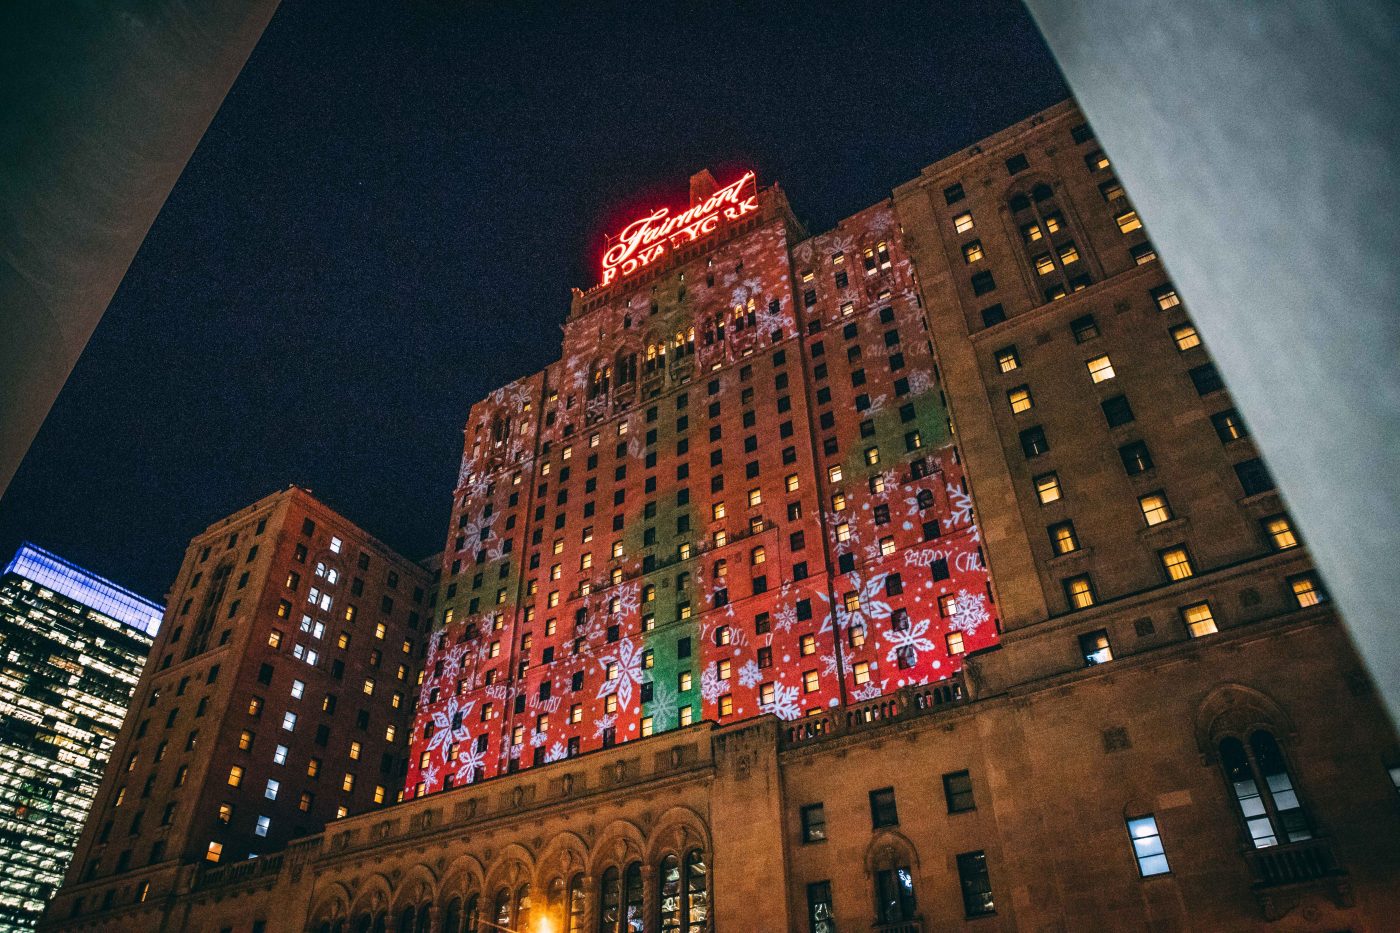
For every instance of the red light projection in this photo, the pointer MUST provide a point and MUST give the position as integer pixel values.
(644, 241)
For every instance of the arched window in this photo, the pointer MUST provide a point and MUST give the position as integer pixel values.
(501, 911)
(381, 922)
(670, 893)
(697, 893)
(554, 902)
(577, 904)
(406, 920)
(471, 915)
(362, 923)
(425, 920)
(452, 916)
(522, 907)
(633, 899)
(1263, 790)
(610, 901)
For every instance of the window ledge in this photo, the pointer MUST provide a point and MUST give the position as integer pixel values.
(1170, 528)
(1073, 557)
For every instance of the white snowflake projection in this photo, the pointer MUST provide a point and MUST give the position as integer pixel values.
(784, 704)
(537, 739)
(911, 638)
(868, 691)
(664, 707)
(829, 665)
(603, 724)
(960, 507)
(750, 673)
(556, 752)
(469, 760)
(448, 727)
(711, 687)
(871, 603)
(969, 612)
(919, 382)
(430, 776)
(785, 618)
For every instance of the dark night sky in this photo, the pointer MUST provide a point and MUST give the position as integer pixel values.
(384, 220)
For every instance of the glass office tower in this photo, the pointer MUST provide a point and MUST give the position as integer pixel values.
(72, 646)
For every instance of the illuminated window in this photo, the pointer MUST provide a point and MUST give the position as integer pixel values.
(347, 783)
(810, 682)
(270, 792)
(720, 538)
(887, 546)
(1068, 254)
(576, 714)
(724, 635)
(872, 456)
(1063, 539)
(235, 776)
(279, 755)
(1177, 563)
(963, 222)
(807, 644)
(368, 686)
(1199, 620)
(765, 694)
(274, 639)
(972, 252)
(791, 482)
(1007, 360)
(1053, 223)
(833, 474)
(225, 813)
(687, 715)
(862, 672)
(1080, 592)
(954, 642)
(343, 811)
(722, 669)
(1166, 297)
(1047, 488)
(354, 751)
(1020, 399)
(758, 555)
(1306, 590)
(1147, 846)
(1095, 648)
(947, 605)
(1096, 161)
(214, 852)
(647, 726)
(313, 767)
(298, 689)
(1031, 232)
(1128, 221)
(1186, 337)
(683, 681)
(1280, 531)
(245, 740)
(289, 721)
(1155, 508)
(1044, 264)
(717, 510)
(1100, 368)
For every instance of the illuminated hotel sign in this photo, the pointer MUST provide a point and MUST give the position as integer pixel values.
(644, 241)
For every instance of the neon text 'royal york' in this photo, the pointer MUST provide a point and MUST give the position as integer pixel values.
(644, 241)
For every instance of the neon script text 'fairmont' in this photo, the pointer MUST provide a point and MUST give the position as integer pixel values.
(644, 241)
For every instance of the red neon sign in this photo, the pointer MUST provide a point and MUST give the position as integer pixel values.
(644, 241)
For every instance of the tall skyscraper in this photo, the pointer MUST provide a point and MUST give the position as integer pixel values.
(912, 575)
(277, 698)
(71, 648)
(736, 493)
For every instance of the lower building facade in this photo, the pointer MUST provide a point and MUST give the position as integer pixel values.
(1126, 795)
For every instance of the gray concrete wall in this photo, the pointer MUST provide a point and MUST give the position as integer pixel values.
(101, 105)
(1260, 143)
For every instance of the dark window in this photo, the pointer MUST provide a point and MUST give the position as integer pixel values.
(1016, 164)
(1117, 410)
(982, 283)
(1081, 133)
(1254, 477)
(821, 917)
(1136, 458)
(1033, 442)
(882, 808)
(1206, 378)
(957, 790)
(894, 896)
(953, 193)
(1084, 328)
(994, 314)
(976, 884)
(813, 823)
